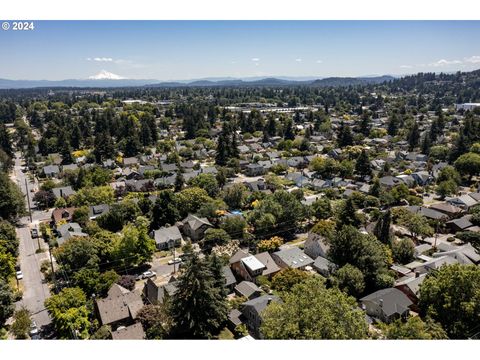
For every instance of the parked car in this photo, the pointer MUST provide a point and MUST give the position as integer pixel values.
(19, 275)
(33, 329)
(34, 233)
(174, 261)
(147, 274)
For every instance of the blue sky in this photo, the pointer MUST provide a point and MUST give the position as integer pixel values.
(176, 50)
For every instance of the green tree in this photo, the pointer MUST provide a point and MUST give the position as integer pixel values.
(365, 252)
(198, 309)
(94, 196)
(345, 136)
(468, 164)
(362, 165)
(287, 278)
(77, 253)
(235, 196)
(349, 279)
(207, 182)
(322, 208)
(447, 188)
(6, 301)
(309, 304)
(449, 173)
(382, 228)
(215, 237)
(12, 201)
(403, 251)
(348, 215)
(165, 210)
(190, 200)
(21, 323)
(414, 329)
(235, 226)
(69, 313)
(451, 296)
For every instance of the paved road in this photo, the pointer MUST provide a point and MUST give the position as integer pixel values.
(35, 290)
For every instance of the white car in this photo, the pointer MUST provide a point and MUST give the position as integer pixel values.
(19, 275)
(174, 261)
(147, 274)
(33, 328)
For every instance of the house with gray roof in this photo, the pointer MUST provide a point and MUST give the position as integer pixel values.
(51, 171)
(155, 290)
(63, 192)
(248, 290)
(293, 258)
(120, 307)
(95, 211)
(252, 312)
(195, 227)
(67, 231)
(167, 237)
(387, 305)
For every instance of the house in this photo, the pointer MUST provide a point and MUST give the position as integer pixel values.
(316, 246)
(465, 202)
(460, 224)
(120, 307)
(51, 171)
(422, 178)
(167, 237)
(323, 266)
(465, 254)
(129, 161)
(387, 305)
(248, 266)
(293, 258)
(230, 280)
(248, 290)
(389, 181)
(131, 332)
(252, 312)
(195, 227)
(67, 231)
(62, 214)
(63, 192)
(427, 212)
(410, 286)
(254, 170)
(95, 211)
(448, 209)
(235, 318)
(155, 290)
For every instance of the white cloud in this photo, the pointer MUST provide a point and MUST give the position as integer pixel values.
(255, 59)
(443, 62)
(406, 66)
(100, 59)
(298, 60)
(473, 59)
(319, 61)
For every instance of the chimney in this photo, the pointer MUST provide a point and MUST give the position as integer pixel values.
(269, 300)
(381, 303)
(417, 274)
(61, 193)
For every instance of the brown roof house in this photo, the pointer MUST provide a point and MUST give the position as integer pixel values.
(131, 332)
(120, 307)
(248, 266)
(64, 214)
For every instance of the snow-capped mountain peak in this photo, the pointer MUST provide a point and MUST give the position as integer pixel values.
(106, 75)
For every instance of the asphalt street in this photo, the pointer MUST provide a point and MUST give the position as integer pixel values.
(35, 289)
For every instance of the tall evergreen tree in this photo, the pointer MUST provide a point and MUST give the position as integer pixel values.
(362, 165)
(382, 228)
(413, 137)
(198, 309)
(345, 136)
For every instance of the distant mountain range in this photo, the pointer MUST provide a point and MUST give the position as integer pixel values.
(105, 81)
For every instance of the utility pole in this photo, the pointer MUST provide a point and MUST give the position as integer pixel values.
(174, 271)
(28, 200)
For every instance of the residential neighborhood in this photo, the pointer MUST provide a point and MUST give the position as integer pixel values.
(342, 208)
